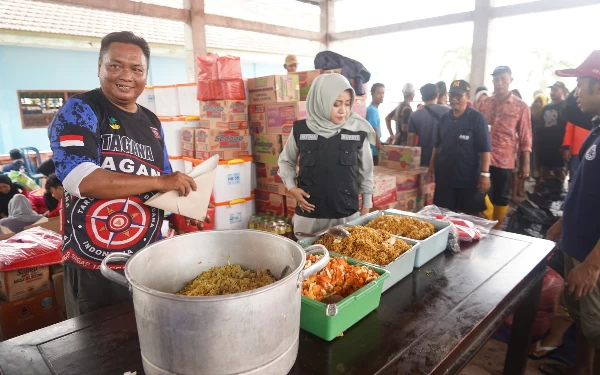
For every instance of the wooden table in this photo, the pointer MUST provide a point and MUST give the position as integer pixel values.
(432, 322)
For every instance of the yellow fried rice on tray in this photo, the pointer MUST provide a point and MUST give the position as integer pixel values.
(377, 247)
(408, 227)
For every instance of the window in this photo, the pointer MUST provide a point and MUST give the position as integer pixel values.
(39, 107)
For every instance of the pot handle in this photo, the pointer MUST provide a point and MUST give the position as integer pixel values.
(308, 272)
(113, 275)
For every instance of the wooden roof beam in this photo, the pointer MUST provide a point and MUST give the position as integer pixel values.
(259, 27)
(129, 7)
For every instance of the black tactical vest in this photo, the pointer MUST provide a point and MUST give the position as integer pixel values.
(329, 171)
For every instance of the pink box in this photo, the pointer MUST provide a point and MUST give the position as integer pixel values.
(281, 117)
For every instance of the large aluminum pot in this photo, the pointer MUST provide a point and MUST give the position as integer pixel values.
(255, 332)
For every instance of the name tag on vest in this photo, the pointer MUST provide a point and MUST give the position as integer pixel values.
(464, 137)
(350, 137)
(309, 137)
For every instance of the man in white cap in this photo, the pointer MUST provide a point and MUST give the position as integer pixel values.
(291, 64)
(401, 115)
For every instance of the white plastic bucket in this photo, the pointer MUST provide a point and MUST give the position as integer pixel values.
(172, 129)
(235, 214)
(233, 180)
(188, 104)
(166, 99)
(147, 99)
(177, 164)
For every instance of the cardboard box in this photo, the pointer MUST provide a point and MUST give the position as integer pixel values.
(52, 224)
(427, 189)
(305, 79)
(58, 281)
(267, 179)
(24, 282)
(264, 185)
(409, 198)
(281, 117)
(405, 179)
(290, 205)
(257, 117)
(28, 314)
(274, 89)
(228, 144)
(223, 125)
(399, 157)
(187, 142)
(224, 110)
(267, 202)
(385, 189)
(266, 148)
(6, 236)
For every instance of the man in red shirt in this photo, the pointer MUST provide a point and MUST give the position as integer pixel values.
(510, 121)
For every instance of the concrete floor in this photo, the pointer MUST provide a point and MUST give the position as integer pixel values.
(490, 361)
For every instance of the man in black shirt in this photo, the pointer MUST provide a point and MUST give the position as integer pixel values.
(461, 158)
(110, 155)
(549, 138)
(401, 114)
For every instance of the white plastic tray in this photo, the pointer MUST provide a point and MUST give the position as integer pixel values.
(430, 247)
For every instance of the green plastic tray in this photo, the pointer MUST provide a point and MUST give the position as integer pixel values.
(313, 314)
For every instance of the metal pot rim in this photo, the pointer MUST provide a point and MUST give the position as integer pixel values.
(133, 283)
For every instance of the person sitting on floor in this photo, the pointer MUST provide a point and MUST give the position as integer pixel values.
(17, 161)
(20, 214)
(8, 189)
(53, 195)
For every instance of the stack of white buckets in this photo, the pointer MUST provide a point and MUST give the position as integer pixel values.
(177, 107)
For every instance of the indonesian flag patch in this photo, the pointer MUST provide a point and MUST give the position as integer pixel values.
(71, 140)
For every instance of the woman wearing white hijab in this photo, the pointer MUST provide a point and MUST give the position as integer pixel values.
(20, 214)
(335, 164)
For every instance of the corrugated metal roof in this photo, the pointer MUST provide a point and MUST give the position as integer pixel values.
(29, 15)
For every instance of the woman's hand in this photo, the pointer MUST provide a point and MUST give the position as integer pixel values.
(364, 211)
(300, 195)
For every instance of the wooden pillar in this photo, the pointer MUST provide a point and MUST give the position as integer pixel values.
(481, 31)
(327, 22)
(194, 36)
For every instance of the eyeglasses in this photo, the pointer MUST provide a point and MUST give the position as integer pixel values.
(455, 95)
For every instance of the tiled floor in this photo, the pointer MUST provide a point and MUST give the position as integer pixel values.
(490, 361)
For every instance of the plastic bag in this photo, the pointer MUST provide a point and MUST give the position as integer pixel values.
(229, 67)
(464, 227)
(207, 67)
(232, 89)
(214, 67)
(34, 247)
(531, 220)
(23, 179)
(552, 286)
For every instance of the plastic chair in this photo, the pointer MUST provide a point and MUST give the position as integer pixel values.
(30, 167)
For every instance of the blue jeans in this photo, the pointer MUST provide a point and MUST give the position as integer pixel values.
(573, 166)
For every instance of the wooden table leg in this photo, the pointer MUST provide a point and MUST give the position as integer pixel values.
(520, 335)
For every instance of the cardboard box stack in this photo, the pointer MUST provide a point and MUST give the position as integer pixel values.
(413, 188)
(27, 299)
(223, 130)
(274, 106)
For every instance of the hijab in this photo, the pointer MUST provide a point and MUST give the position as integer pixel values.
(479, 95)
(20, 208)
(536, 113)
(5, 198)
(323, 93)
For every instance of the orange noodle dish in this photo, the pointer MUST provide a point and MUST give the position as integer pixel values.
(338, 278)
